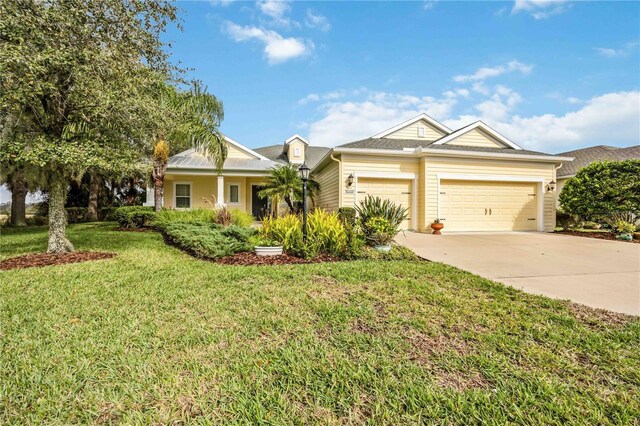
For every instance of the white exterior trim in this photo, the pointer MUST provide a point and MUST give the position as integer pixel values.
(409, 122)
(190, 194)
(383, 175)
(205, 172)
(294, 137)
(220, 197)
(500, 178)
(476, 125)
(244, 148)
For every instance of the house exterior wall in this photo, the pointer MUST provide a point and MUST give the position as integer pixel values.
(476, 137)
(329, 180)
(411, 132)
(206, 187)
(235, 152)
(296, 144)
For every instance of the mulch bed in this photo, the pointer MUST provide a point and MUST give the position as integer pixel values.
(37, 260)
(599, 235)
(248, 259)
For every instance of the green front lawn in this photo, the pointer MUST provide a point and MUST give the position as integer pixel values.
(154, 335)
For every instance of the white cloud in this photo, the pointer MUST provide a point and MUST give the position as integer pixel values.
(540, 9)
(317, 21)
(429, 4)
(351, 120)
(276, 10)
(499, 105)
(484, 73)
(277, 49)
(329, 96)
(625, 50)
(612, 118)
(221, 2)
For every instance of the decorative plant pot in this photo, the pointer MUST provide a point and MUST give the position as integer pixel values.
(268, 251)
(624, 237)
(436, 228)
(384, 248)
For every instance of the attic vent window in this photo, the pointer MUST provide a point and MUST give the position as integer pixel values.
(296, 152)
(422, 132)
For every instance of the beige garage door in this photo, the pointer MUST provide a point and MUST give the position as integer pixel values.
(398, 191)
(488, 206)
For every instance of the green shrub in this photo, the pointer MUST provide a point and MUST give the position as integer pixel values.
(286, 230)
(134, 216)
(239, 233)
(241, 218)
(107, 213)
(207, 241)
(380, 219)
(603, 188)
(591, 225)
(37, 221)
(623, 227)
(347, 215)
(325, 234)
(167, 216)
(376, 207)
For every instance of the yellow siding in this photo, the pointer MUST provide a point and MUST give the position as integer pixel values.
(435, 165)
(329, 180)
(206, 187)
(476, 137)
(370, 164)
(411, 132)
(559, 186)
(235, 152)
(296, 143)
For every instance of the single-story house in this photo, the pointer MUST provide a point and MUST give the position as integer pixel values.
(585, 156)
(472, 178)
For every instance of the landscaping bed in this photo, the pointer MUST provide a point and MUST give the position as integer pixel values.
(249, 258)
(36, 260)
(601, 235)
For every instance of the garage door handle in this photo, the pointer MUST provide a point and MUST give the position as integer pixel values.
(406, 193)
(485, 212)
(532, 218)
(489, 212)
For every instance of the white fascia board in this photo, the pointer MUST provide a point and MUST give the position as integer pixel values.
(476, 125)
(422, 116)
(244, 148)
(394, 152)
(294, 137)
(210, 172)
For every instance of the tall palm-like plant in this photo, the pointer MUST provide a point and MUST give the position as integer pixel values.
(283, 183)
(193, 120)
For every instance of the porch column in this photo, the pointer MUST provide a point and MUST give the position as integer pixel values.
(150, 195)
(220, 197)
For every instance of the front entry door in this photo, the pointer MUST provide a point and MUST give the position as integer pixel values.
(259, 206)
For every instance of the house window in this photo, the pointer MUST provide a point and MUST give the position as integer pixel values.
(296, 152)
(183, 195)
(421, 132)
(234, 194)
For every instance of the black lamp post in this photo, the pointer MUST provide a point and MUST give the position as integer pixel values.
(304, 174)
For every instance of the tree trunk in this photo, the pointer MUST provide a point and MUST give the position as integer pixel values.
(94, 191)
(287, 199)
(157, 177)
(58, 242)
(18, 199)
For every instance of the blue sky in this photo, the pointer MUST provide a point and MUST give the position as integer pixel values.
(553, 76)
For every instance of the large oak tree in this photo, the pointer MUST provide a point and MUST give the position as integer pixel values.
(78, 89)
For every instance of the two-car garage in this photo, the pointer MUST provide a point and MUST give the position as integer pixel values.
(475, 205)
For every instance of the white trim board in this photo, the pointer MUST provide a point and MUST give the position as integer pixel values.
(294, 137)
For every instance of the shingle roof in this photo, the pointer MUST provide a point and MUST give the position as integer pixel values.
(313, 154)
(400, 144)
(585, 156)
(191, 159)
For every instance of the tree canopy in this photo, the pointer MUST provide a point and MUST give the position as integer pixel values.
(79, 83)
(602, 189)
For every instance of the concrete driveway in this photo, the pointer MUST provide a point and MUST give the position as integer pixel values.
(597, 273)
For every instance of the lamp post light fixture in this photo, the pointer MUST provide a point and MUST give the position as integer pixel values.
(350, 180)
(304, 175)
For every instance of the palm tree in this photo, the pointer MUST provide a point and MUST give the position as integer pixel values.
(193, 120)
(284, 183)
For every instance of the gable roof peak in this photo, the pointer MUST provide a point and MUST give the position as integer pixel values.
(478, 125)
(432, 121)
(294, 137)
